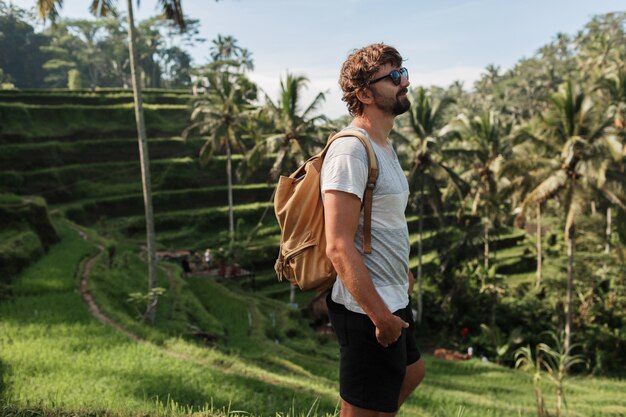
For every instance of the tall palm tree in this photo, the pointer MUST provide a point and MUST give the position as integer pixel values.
(222, 115)
(580, 171)
(523, 172)
(485, 141)
(424, 137)
(172, 10)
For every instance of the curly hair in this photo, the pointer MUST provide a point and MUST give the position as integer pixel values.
(359, 68)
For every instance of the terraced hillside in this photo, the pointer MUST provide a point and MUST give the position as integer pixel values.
(83, 159)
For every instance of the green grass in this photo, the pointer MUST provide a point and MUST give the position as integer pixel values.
(54, 356)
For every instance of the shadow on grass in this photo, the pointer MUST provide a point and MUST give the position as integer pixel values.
(211, 388)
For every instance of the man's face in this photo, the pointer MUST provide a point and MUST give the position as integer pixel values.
(388, 97)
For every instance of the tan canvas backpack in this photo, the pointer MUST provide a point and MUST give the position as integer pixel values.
(299, 209)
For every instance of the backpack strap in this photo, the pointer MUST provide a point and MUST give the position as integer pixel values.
(372, 176)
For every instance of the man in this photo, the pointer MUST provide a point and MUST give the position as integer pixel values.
(369, 303)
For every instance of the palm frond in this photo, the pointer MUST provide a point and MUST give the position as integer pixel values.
(173, 10)
(103, 8)
(548, 188)
(315, 104)
(49, 9)
(206, 152)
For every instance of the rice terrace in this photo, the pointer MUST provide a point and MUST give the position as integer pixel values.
(138, 237)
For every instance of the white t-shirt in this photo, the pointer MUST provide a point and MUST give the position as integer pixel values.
(345, 169)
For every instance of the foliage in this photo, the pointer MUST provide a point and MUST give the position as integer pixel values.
(20, 40)
(143, 302)
(97, 49)
(555, 361)
(74, 80)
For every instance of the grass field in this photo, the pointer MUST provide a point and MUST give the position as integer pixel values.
(56, 359)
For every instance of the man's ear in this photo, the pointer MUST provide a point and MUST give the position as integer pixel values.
(365, 95)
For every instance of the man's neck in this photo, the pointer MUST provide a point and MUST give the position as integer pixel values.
(378, 128)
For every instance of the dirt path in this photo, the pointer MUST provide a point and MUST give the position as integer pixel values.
(88, 298)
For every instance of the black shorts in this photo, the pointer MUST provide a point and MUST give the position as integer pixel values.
(370, 375)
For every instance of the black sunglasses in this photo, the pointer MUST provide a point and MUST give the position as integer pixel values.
(395, 75)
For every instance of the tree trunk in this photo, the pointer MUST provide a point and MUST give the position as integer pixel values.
(559, 400)
(420, 222)
(144, 160)
(486, 247)
(539, 401)
(607, 248)
(292, 294)
(538, 281)
(229, 175)
(569, 235)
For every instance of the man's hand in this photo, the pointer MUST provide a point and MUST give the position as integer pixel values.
(390, 330)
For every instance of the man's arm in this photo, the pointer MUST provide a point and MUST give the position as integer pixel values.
(341, 215)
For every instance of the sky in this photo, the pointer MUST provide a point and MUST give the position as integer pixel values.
(441, 40)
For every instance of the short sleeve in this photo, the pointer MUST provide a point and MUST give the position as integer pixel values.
(345, 167)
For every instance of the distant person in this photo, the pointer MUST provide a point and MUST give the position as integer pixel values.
(369, 303)
(185, 265)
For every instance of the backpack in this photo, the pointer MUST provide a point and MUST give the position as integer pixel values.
(299, 209)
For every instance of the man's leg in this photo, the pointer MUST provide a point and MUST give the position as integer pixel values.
(349, 410)
(414, 375)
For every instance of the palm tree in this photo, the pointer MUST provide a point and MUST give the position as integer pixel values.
(172, 10)
(580, 171)
(225, 50)
(295, 133)
(223, 114)
(427, 167)
(485, 140)
(522, 173)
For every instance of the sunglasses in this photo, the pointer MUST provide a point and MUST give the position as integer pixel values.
(395, 75)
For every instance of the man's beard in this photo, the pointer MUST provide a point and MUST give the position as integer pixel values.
(394, 106)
